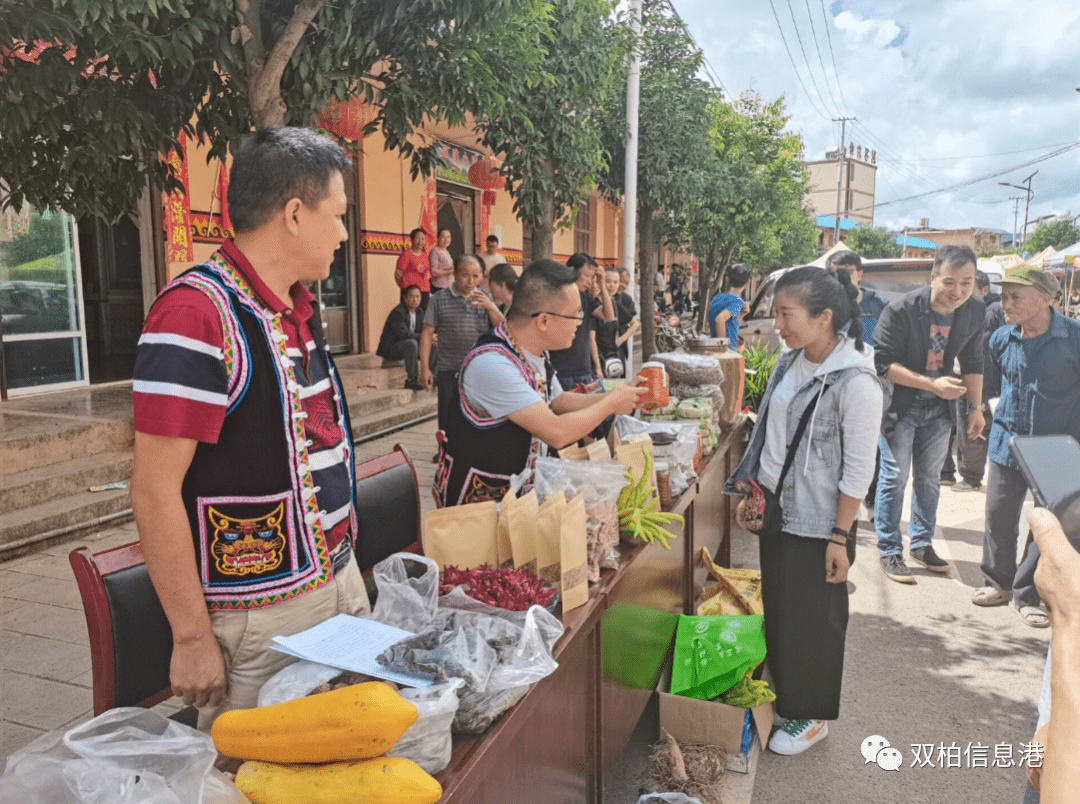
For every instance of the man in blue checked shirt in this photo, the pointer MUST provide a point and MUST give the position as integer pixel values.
(1038, 355)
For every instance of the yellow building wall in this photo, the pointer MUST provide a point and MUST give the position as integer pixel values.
(389, 205)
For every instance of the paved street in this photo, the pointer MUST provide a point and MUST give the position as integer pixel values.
(923, 665)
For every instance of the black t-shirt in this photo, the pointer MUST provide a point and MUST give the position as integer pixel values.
(606, 333)
(577, 360)
(625, 310)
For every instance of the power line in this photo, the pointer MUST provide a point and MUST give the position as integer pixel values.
(832, 53)
(809, 97)
(969, 182)
(809, 69)
(709, 70)
(821, 61)
(977, 156)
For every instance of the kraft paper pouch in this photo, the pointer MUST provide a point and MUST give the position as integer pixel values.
(521, 515)
(713, 653)
(632, 456)
(549, 538)
(574, 453)
(462, 536)
(502, 535)
(573, 554)
(599, 451)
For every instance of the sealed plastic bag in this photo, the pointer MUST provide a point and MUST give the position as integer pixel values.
(124, 756)
(687, 369)
(674, 443)
(497, 653)
(713, 653)
(600, 484)
(428, 741)
(406, 600)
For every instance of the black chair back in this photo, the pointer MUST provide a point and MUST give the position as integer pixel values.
(387, 508)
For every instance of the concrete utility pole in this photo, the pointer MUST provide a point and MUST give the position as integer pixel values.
(1016, 209)
(840, 174)
(633, 92)
(1027, 204)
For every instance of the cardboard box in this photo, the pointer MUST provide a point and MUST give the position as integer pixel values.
(732, 728)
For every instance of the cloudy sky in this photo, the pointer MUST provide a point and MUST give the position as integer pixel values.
(945, 92)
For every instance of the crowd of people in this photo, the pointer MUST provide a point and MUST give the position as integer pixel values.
(233, 372)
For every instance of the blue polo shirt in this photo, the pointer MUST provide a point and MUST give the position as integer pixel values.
(1040, 385)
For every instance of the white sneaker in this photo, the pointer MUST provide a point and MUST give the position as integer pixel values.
(798, 735)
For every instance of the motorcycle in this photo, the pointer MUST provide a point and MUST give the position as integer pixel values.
(669, 332)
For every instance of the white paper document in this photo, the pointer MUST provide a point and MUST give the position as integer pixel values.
(351, 643)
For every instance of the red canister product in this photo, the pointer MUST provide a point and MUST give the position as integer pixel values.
(656, 380)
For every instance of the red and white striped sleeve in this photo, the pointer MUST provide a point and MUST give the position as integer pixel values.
(180, 385)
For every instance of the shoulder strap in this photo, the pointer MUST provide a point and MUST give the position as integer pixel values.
(793, 446)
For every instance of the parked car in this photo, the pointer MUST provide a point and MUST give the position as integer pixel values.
(888, 278)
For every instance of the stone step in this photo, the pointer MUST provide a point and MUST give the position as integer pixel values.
(29, 441)
(44, 483)
(424, 404)
(371, 403)
(20, 530)
(364, 379)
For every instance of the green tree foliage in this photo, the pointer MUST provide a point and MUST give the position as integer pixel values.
(873, 242)
(550, 136)
(86, 122)
(673, 140)
(44, 237)
(749, 206)
(1059, 234)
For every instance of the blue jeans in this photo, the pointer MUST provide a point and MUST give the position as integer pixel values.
(919, 444)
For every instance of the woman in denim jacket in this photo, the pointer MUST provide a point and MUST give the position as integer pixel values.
(807, 541)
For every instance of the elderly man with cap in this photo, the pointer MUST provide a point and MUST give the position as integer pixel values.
(1038, 355)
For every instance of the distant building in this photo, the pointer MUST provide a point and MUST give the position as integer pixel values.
(857, 185)
(915, 247)
(978, 239)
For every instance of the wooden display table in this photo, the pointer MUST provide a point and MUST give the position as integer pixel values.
(557, 743)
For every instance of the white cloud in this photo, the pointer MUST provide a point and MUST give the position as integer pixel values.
(940, 90)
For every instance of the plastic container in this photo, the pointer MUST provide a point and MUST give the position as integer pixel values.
(656, 378)
(663, 484)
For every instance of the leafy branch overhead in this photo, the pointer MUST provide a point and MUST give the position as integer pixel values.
(88, 119)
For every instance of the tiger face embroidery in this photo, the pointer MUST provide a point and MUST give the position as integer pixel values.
(247, 546)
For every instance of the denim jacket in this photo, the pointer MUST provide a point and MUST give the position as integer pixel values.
(1040, 384)
(836, 453)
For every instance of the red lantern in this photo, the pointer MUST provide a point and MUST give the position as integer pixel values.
(347, 119)
(485, 175)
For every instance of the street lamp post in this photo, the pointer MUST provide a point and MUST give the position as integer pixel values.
(1027, 203)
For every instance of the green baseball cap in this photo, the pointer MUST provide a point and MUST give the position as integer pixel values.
(1032, 277)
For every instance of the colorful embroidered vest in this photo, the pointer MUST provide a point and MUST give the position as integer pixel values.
(478, 454)
(249, 498)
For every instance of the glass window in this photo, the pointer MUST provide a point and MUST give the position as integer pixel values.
(38, 291)
(43, 362)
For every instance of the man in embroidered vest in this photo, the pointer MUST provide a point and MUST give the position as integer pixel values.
(243, 487)
(508, 406)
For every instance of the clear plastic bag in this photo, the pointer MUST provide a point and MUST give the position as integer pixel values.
(712, 392)
(403, 601)
(600, 484)
(687, 369)
(493, 652)
(674, 443)
(668, 798)
(295, 681)
(124, 756)
(428, 741)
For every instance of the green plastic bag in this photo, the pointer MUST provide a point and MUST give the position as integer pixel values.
(713, 652)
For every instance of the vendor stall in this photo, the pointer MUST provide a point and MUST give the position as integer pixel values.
(559, 741)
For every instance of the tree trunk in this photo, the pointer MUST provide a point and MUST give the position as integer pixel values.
(263, 69)
(647, 271)
(543, 234)
(711, 284)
